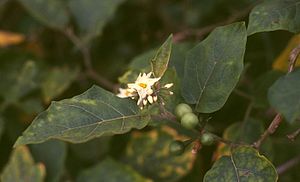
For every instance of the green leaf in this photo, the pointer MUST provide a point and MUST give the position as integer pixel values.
(53, 155)
(31, 105)
(52, 13)
(56, 81)
(284, 96)
(91, 151)
(273, 15)
(177, 59)
(171, 101)
(245, 164)
(17, 80)
(261, 87)
(213, 67)
(160, 62)
(92, 114)
(246, 132)
(21, 167)
(141, 62)
(92, 15)
(153, 159)
(110, 170)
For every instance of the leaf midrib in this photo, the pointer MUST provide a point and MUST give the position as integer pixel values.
(205, 83)
(235, 168)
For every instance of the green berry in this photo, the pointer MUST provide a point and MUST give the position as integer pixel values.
(176, 147)
(207, 139)
(189, 120)
(182, 109)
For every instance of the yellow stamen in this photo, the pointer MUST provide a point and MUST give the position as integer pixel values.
(143, 85)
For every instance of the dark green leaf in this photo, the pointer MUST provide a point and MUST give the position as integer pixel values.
(56, 81)
(245, 164)
(52, 13)
(141, 62)
(31, 105)
(110, 171)
(284, 96)
(91, 151)
(247, 132)
(17, 80)
(213, 68)
(273, 15)
(171, 101)
(261, 87)
(177, 59)
(21, 167)
(160, 62)
(92, 114)
(153, 159)
(53, 155)
(92, 15)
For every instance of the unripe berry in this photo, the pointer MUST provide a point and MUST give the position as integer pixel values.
(189, 120)
(176, 147)
(182, 109)
(207, 139)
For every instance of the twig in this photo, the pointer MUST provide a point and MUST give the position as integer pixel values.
(247, 115)
(293, 58)
(199, 33)
(171, 120)
(293, 135)
(278, 118)
(288, 164)
(242, 94)
(271, 129)
(220, 139)
(89, 70)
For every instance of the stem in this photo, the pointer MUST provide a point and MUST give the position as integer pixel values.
(242, 94)
(171, 120)
(293, 58)
(288, 164)
(293, 135)
(90, 72)
(247, 115)
(192, 133)
(278, 118)
(220, 139)
(271, 129)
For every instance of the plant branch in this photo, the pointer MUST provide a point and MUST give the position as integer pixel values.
(199, 33)
(89, 70)
(243, 94)
(271, 129)
(222, 140)
(247, 115)
(288, 165)
(293, 58)
(294, 135)
(278, 118)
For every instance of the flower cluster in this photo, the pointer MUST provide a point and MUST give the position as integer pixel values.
(144, 89)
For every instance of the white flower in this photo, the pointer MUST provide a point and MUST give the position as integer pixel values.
(168, 85)
(144, 88)
(124, 93)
